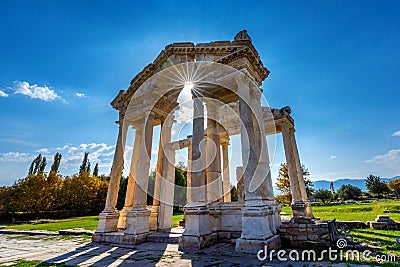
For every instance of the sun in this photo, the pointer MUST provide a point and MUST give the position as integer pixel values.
(188, 86)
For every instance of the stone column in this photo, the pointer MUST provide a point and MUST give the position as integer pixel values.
(130, 190)
(137, 221)
(298, 206)
(108, 218)
(240, 184)
(263, 170)
(300, 177)
(225, 171)
(167, 184)
(153, 223)
(189, 173)
(256, 231)
(213, 155)
(196, 212)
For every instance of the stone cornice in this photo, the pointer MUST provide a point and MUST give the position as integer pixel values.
(226, 52)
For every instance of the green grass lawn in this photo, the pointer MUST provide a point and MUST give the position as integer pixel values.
(382, 238)
(87, 222)
(355, 212)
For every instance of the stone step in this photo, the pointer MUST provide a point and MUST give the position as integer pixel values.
(170, 236)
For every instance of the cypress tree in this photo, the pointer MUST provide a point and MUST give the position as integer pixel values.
(96, 170)
(56, 162)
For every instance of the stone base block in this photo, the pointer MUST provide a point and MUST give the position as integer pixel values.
(255, 221)
(107, 222)
(197, 242)
(137, 221)
(122, 219)
(119, 238)
(252, 246)
(153, 220)
(299, 209)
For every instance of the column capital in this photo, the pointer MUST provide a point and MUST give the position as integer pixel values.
(224, 143)
(288, 129)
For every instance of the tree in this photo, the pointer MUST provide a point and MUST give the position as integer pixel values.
(283, 183)
(234, 194)
(96, 170)
(85, 166)
(375, 186)
(42, 165)
(395, 186)
(56, 163)
(349, 191)
(323, 195)
(180, 186)
(37, 165)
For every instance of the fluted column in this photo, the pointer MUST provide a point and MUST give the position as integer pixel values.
(197, 219)
(300, 177)
(137, 221)
(167, 177)
(130, 189)
(153, 221)
(225, 171)
(189, 173)
(263, 170)
(108, 218)
(213, 155)
(142, 180)
(256, 232)
(240, 184)
(198, 186)
(298, 206)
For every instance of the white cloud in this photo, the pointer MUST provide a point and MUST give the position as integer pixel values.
(43, 150)
(3, 94)
(393, 156)
(80, 95)
(35, 91)
(332, 157)
(396, 133)
(15, 156)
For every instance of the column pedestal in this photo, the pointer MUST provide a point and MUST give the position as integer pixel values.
(256, 233)
(137, 221)
(107, 222)
(153, 219)
(197, 233)
(122, 218)
(298, 209)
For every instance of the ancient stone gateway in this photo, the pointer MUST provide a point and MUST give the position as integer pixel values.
(224, 80)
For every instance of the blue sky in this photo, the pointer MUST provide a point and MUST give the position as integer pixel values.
(335, 63)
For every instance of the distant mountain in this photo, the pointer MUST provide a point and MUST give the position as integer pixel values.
(324, 184)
